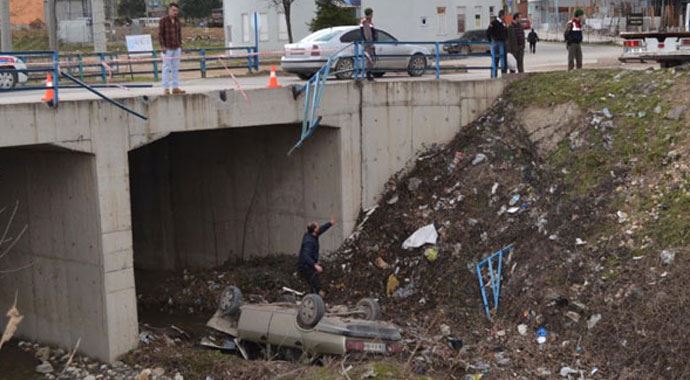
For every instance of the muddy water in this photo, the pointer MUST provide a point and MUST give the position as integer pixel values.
(192, 324)
(17, 364)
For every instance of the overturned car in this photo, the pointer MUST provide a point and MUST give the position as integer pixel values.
(306, 326)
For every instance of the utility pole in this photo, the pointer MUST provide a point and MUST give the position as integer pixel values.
(51, 23)
(98, 21)
(5, 26)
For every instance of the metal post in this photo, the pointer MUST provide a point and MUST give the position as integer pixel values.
(56, 77)
(494, 68)
(202, 62)
(104, 77)
(5, 26)
(438, 60)
(256, 41)
(80, 60)
(155, 65)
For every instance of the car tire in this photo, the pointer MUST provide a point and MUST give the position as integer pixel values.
(417, 65)
(345, 68)
(8, 80)
(230, 301)
(304, 76)
(370, 308)
(311, 311)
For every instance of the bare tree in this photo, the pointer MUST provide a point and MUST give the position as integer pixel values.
(284, 7)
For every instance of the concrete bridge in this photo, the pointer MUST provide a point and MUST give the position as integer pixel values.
(204, 181)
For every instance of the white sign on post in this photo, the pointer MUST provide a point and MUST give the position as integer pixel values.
(139, 45)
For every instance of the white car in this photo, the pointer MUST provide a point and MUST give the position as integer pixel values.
(307, 56)
(9, 80)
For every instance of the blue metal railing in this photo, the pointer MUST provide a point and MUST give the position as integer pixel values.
(491, 267)
(50, 65)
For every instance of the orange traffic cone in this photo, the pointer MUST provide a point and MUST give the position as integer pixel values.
(49, 97)
(273, 80)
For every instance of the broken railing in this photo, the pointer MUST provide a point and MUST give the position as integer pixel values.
(489, 272)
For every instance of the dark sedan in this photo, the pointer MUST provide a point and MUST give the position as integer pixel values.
(471, 42)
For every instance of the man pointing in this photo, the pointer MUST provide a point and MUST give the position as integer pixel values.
(308, 264)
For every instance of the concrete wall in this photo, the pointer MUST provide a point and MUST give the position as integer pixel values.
(60, 293)
(201, 199)
(375, 129)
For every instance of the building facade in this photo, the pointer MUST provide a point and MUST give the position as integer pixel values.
(431, 20)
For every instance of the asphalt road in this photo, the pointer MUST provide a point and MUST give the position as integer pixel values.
(549, 57)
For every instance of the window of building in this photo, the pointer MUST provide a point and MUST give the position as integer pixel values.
(478, 16)
(461, 20)
(282, 27)
(441, 17)
(263, 27)
(246, 28)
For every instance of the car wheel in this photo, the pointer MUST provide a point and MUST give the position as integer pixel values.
(417, 65)
(310, 311)
(345, 68)
(370, 308)
(8, 80)
(304, 76)
(230, 301)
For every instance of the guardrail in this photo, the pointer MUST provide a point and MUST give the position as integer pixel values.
(10, 65)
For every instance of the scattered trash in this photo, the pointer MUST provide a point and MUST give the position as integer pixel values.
(514, 200)
(404, 292)
(392, 285)
(542, 334)
(15, 319)
(413, 184)
(445, 329)
(455, 343)
(370, 373)
(641, 114)
(493, 279)
(593, 320)
(494, 188)
(566, 371)
(479, 158)
(513, 210)
(146, 337)
(667, 256)
(456, 161)
(543, 372)
(424, 235)
(382, 264)
(622, 217)
(676, 113)
(431, 254)
(657, 109)
(44, 368)
(607, 113)
(573, 316)
(501, 359)
(394, 199)
(522, 329)
(228, 344)
(579, 241)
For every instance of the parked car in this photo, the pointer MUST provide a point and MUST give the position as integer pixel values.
(9, 79)
(309, 55)
(473, 41)
(306, 327)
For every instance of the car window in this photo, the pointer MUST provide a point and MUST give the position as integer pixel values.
(473, 35)
(321, 36)
(385, 37)
(351, 36)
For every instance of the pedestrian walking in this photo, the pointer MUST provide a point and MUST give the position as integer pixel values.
(573, 39)
(533, 38)
(170, 39)
(308, 264)
(497, 34)
(516, 42)
(369, 35)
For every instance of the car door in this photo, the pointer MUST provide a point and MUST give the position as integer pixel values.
(391, 55)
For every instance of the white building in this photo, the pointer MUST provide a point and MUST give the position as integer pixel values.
(273, 31)
(431, 20)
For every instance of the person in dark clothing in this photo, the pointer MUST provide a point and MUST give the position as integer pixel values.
(533, 38)
(516, 42)
(369, 34)
(497, 35)
(308, 264)
(573, 39)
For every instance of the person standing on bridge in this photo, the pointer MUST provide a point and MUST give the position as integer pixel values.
(170, 39)
(308, 264)
(369, 36)
(573, 39)
(497, 35)
(516, 42)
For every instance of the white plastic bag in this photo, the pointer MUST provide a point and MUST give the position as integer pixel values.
(424, 235)
(512, 63)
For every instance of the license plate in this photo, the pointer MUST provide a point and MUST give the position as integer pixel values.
(375, 347)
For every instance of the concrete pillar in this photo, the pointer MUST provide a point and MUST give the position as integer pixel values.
(5, 26)
(51, 23)
(100, 40)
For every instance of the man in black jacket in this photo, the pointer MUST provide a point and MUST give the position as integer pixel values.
(497, 35)
(308, 263)
(369, 35)
(516, 42)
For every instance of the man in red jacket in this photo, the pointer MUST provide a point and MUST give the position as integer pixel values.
(170, 38)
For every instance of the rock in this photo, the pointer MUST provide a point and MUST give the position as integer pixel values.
(543, 372)
(573, 316)
(641, 114)
(144, 374)
(593, 320)
(607, 113)
(501, 333)
(522, 329)
(43, 354)
(445, 329)
(667, 256)
(44, 368)
(89, 377)
(657, 110)
(158, 371)
(178, 377)
(413, 184)
(394, 199)
(565, 371)
(579, 241)
(501, 359)
(472, 222)
(479, 158)
(118, 364)
(676, 113)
